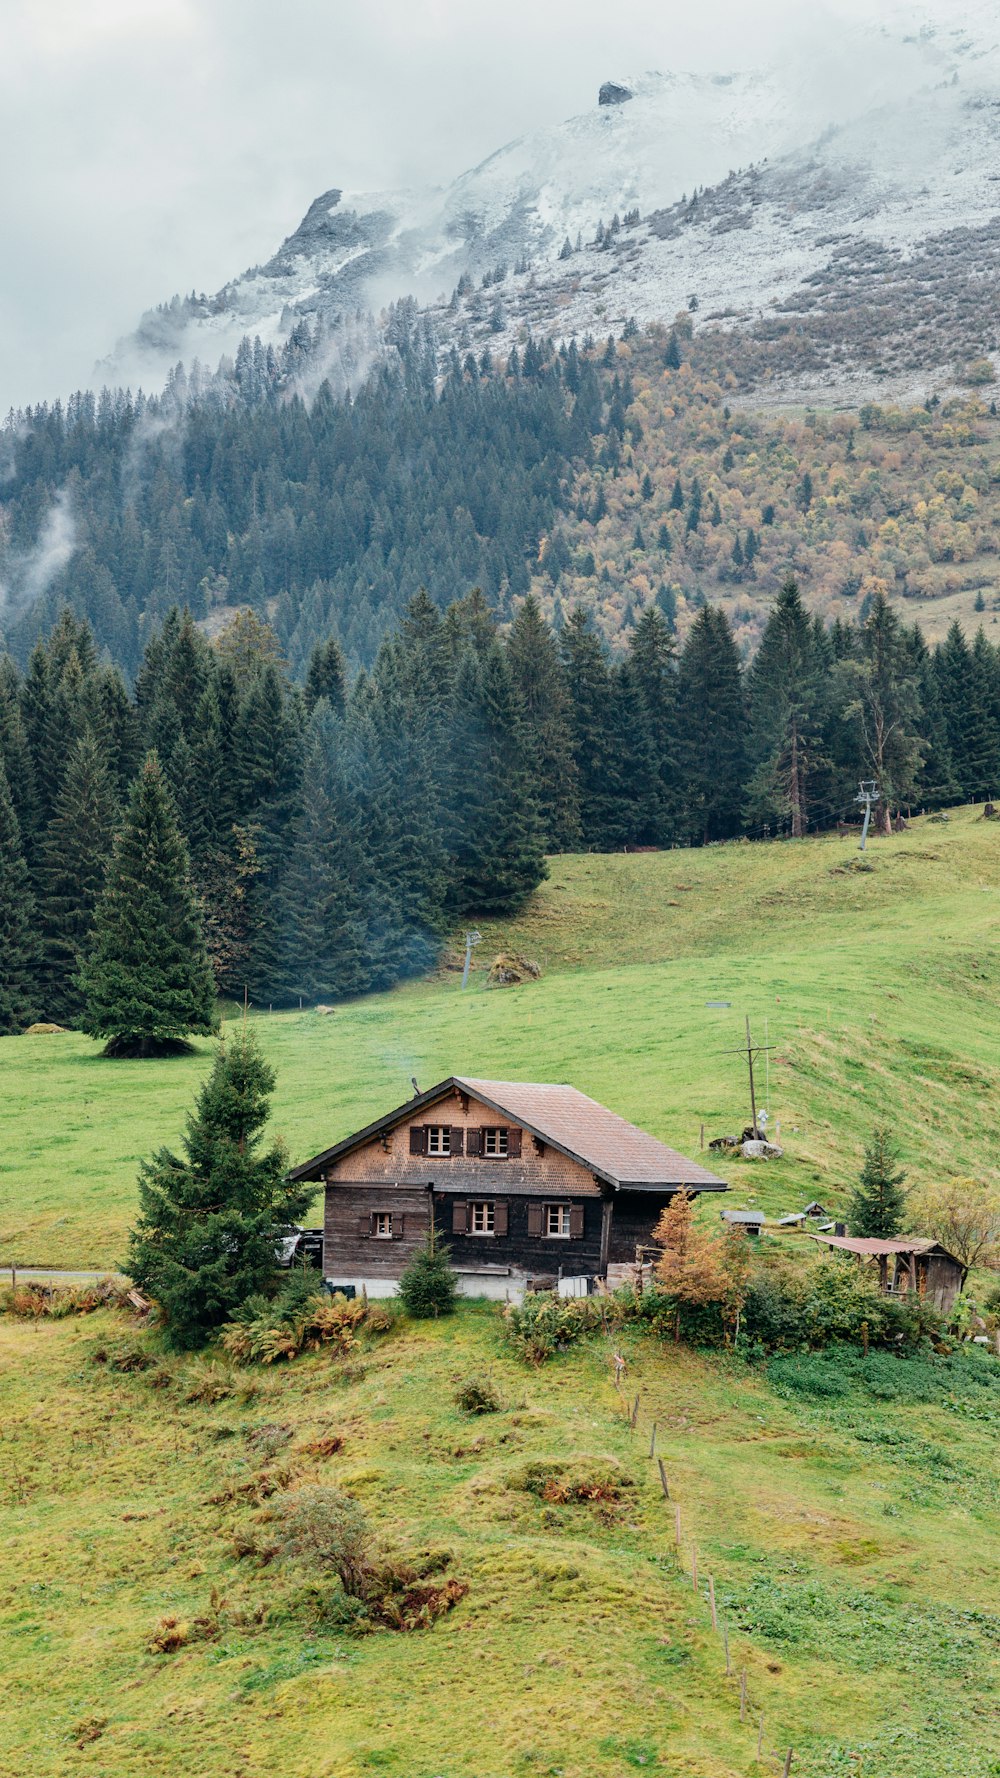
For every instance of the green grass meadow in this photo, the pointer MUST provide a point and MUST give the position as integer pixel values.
(847, 1512)
(853, 1545)
(878, 990)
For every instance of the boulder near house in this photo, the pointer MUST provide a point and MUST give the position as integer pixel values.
(524, 1182)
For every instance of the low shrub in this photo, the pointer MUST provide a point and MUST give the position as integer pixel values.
(125, 1356)
(824, 1302)
(561, 1483)
(329, 1530)
(299, 1320)
(545, 1324)
(33, 1301)
(477, 1395)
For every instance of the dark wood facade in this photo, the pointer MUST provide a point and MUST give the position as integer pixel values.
(515, 1198)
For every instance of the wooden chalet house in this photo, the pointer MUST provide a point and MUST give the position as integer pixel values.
(525, 1182)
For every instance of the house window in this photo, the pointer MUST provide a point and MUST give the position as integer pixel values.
(557, 1221)
(495, 1143)
(438, 1139)
(482, 1219)
(382, 1225)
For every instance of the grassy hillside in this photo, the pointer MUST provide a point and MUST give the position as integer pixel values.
(876, 987)
(853, 1540)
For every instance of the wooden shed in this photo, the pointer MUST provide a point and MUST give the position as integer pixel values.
(523, 1180)
(912, 1262)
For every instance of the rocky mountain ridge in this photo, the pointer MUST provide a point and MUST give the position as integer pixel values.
(815, 201)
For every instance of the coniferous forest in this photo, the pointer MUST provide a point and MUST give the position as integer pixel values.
(323, 783)
(320, 837)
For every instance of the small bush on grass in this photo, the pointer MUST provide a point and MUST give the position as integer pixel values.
(33, 1302)
(125, 1356)
(301, 1319)
(789, 1306)
(428, 1287)
(545, 1324)
(327, 1529)
(477, 1395)
(563, 1483)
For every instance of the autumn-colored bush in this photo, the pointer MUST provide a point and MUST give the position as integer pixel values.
(328, 1530)
(544, 1324)
(265, 1332)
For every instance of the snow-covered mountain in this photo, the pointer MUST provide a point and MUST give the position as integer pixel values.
(864, 168)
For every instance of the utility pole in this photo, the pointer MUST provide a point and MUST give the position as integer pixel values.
(751, 1050)
(868, 794)
(471, 938)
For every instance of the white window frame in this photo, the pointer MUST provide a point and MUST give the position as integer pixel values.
(439, 1139)
(500, 1144)
(482, 1216)
(378, 1218)
(559, 1214)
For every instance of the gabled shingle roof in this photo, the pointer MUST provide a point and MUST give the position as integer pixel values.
(618, 1151)
(607, 1145)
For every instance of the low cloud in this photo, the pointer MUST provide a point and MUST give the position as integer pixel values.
(28, 575)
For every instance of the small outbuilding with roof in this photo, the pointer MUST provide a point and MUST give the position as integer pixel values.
(750, 1221)
(918, 1263)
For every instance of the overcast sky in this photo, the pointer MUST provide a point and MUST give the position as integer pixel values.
(150, 146)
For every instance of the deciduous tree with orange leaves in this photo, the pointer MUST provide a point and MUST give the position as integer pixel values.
(698, 1266)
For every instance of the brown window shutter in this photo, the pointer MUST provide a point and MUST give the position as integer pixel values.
(460, 1217)
(397, 1226)
(499, 1219)
(457, 1135)
(473, 1141)
(576, 1222)
(514, 1144)
(534, 1219)
(418, 1138)
(364, 1227)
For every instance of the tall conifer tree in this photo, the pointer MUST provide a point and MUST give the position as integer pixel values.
(18, 947)
(544, 722)
(146, 981)
(205, 1238)
(712, 728)
(75, 858)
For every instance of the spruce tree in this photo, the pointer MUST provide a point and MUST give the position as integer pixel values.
(75, 857)
(322, 925)
(498, 858)
(18, 947)
(327, 676)
(652, 664)
(544, 724)
(878, 1201)
(428, 1286)
(595, 742)
(209, 1220)
(711, 726)
(146, 981)
(785, 695)
(886, 707)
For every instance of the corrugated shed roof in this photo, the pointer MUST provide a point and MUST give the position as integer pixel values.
(617, 1150)
(868, 1245)
(743, 1215)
